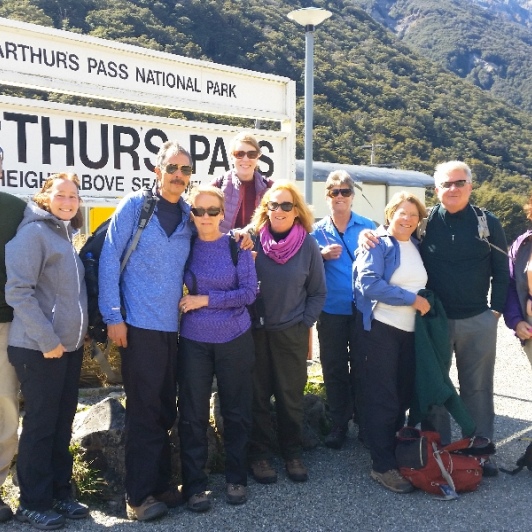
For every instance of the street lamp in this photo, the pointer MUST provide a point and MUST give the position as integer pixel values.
(309, 17)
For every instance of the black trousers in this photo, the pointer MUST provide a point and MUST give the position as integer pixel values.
(149, 372)
(389, 384)
(50, 389)
(341, 365)
(232, 363)
(281, 371)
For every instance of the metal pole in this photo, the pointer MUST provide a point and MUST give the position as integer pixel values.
(309, 111)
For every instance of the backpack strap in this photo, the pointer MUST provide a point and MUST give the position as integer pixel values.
(233, 248)
(422, 227)
(146, 212)
(483, 229)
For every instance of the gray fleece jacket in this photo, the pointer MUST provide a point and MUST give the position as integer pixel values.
(45, 284)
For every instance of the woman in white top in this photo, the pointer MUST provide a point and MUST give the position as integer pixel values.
(387, 279)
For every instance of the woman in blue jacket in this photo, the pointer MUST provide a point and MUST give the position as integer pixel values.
(386, 281)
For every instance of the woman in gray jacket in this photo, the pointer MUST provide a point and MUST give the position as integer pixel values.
(46, 288)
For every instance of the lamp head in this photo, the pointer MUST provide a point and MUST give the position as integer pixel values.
(309, 16)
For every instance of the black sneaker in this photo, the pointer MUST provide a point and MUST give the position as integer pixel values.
(71, 508)
(336, 437)
(47, 520)
(5, 512)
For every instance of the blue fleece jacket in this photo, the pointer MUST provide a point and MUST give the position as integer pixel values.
(151, 284)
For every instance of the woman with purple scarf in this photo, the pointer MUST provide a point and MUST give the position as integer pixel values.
(292, 285)
(215, 339)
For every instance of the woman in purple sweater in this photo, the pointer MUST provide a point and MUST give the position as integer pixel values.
(215, 339)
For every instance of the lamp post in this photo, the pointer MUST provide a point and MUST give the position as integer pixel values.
(309, 17)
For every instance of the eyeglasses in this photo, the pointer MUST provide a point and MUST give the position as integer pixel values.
(173, 168)
(335, 192)
(458, 184)
(286, 206)
(252, 154)
(211, 211)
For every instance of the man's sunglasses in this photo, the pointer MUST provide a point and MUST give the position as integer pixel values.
(458, 184)
(252, 154)
(211, 211)
(173, 168)
(286, 206)
(335, 192)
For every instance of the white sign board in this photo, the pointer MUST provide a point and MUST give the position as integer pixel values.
(114, 153)
(55, 60)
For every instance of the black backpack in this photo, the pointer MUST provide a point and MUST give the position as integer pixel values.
(90, 256)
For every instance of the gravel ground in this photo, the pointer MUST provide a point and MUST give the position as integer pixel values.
(340, 495)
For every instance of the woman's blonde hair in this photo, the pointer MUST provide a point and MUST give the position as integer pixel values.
(209, 190)
(42, 198)
(397, 199)
(304, 215)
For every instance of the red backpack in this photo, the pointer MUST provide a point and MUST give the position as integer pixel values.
(441, 470)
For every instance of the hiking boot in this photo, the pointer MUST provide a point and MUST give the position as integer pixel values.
(172, 497)
(336, 437)
(200, 502)
(263, 472)
(392, 480)
(150, 508)
(236, 494)
(489, 468)
(296, 470)
(5, 512)
(47, 520)
(71, 508)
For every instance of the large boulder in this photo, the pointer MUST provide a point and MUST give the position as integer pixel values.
(100, 434)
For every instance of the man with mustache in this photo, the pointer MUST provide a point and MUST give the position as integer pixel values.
(148, 292)
(12, 210)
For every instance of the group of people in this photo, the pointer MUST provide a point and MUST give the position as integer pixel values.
(360, 284)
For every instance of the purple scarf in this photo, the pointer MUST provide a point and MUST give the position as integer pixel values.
(283, 250)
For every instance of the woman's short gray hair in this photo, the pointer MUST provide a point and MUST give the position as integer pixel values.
(339, 177)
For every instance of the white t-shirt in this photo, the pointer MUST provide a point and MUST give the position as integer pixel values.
(410, 275)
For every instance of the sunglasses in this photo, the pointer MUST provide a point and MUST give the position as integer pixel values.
(173, 168)
(211, 211)
(286, 206)
(252, 154)
(335, 192)
(458, 184)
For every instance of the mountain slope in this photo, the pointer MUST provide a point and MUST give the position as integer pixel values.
(486, 42)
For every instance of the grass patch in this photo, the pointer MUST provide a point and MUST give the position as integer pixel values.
(89, 484)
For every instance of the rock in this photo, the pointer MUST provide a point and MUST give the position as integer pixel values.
(101, 437)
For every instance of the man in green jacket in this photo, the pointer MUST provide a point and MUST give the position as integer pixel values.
(464, 263)
(12, 209)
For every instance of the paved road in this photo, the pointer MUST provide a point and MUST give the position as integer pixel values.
(340, 495)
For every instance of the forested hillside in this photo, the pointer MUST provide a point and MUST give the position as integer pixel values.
(486, 43)
(368, 84)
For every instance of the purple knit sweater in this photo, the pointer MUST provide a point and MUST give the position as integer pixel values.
(229, 289)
